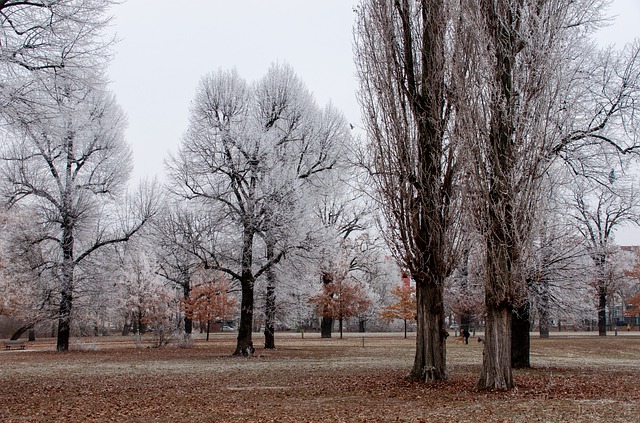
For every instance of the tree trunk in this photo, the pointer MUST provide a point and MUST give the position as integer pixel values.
(405, 328)
(188, 323)
(270, 302)
(270, 315)
(520, 338)
(244, 344)
(496, 363)
(64, 317)
(208, 329)
(430, 362)
(326, 325)
(340, 326)
(543, 309)
(602, 310)
(66, 291)
(18, 333)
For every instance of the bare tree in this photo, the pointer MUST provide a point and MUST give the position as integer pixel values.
(43, 37)
(25, 275)
(535, 96)
(598, 210)
(67, 161)
(186, 237)
(247, 151)
(405, 53)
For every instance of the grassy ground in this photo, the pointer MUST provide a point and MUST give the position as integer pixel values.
(576, 379)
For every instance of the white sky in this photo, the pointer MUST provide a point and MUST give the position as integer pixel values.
(165, 48)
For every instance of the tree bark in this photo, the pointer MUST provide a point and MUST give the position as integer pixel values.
(18, 333)
(521, 338)
(543, 309)
(602, 310)
(430, 362)
(244, 344)
(409, 103)
(270, 302)
(326, 325)
(66, 292)
(496, 363)
(188, 323)
(270, 312)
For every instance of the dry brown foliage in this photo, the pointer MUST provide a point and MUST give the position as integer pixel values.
(314, 380)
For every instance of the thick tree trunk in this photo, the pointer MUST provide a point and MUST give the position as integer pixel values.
(430, 363)
(244, 344)
(496, 363)
(64, 319)
(520, 338)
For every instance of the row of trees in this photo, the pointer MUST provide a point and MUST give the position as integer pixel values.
(486, 120)
(481, 114)
(259, 175)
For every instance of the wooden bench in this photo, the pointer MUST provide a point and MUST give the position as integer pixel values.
(13, 343)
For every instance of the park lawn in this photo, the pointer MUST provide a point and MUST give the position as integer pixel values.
(313, 380)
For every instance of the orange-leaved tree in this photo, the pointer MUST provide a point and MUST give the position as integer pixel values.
(340, 300)
(210, 301)
(633, 304)
(405, 306)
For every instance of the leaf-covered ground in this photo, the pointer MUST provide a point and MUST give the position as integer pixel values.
(577, 379)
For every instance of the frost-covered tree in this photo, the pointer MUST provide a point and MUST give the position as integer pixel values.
(248, 151)
(185, 237)
(342, 216)
(44, 37)
(597, 211)
(25, 276)
(66, 160)
(64, 156)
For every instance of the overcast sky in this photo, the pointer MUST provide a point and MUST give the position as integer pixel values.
(165, 48)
